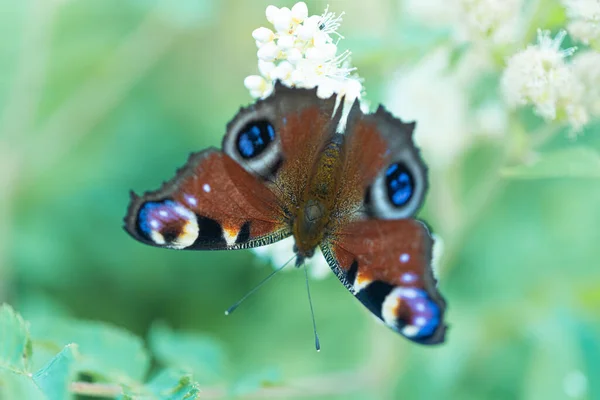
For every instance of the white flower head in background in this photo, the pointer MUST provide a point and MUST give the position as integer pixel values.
(428, 12)
(301, 52)
(414, 92)
(586, 67)
(540, 76)
(584, 16)
(497, 21)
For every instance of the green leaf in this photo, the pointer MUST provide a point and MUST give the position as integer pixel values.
(54, 379)
(573, 162)
(17, 386)
(105, 351)
(168, 384)
(202, 356)
(15, 346)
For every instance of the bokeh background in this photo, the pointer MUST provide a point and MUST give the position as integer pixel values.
(98, 97)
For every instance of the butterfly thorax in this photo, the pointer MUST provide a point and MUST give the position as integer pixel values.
(314, 211)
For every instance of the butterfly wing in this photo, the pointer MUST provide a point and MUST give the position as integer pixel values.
(211, 204)
(378, 251)
(243, 195)
(386, 265)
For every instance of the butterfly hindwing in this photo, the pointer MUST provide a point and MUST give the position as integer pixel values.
(211, 204)
(375, 247)
(386, 265)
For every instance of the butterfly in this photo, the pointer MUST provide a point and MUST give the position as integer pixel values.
(284, 170)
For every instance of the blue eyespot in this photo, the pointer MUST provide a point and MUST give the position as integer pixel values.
(254, 138)
(167, 218)
(419, 315)
(399, 184)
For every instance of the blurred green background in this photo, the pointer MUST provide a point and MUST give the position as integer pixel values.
(98, 97)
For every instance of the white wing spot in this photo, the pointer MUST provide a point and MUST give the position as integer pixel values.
(154, 224)
(410, 331)
(163, 213)
(408, 277)
(191, 200)
(206, 187)
(420, 321)
(404, 257)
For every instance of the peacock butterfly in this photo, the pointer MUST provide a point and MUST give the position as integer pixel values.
(283, 170)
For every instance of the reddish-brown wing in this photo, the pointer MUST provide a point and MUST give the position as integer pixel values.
(302, 123)
(211, 204)
(386, 265)
(244, 195)
(375, 247)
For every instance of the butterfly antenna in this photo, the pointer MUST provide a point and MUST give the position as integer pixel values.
(236, 305)
(312, 311)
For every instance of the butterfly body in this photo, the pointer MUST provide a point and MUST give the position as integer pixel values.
(284, 171)
(319, 200)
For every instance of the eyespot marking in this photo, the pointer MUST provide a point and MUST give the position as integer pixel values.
(254, 138)
(412, 312)
(168, 223)
(399, 184)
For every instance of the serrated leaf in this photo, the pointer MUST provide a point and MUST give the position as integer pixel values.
(574, 162)
(105, 351)
(202, 356)
(54, 379)
(17, 386)
(15, 346)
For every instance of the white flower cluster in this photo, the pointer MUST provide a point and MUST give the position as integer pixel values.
(495, 20)
(281, 252)
(585, 19)
(540, 76)
(301, 52)
(586, 66)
